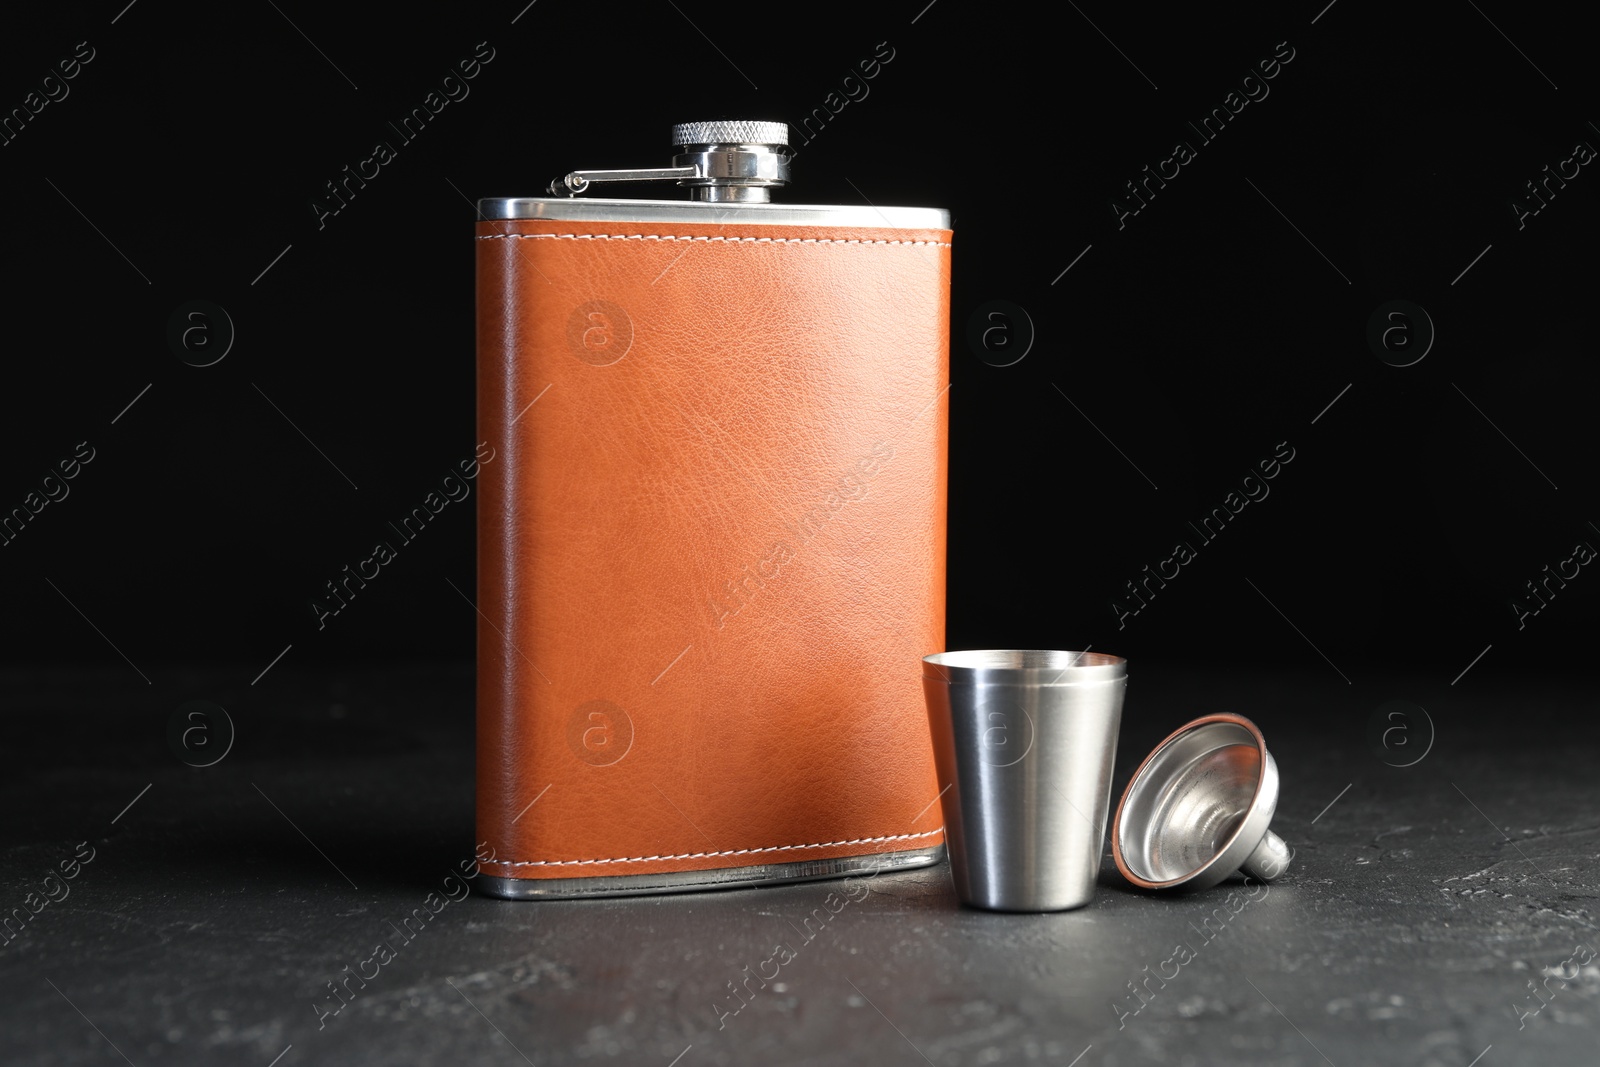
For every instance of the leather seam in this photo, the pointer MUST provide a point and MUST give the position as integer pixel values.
(707, 855)
(675, 237)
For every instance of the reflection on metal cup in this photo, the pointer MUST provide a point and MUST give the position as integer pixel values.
(1025, 741)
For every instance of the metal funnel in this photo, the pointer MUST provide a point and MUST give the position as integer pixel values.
(1198, 808)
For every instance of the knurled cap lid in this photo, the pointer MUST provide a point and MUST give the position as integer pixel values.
(730, 131)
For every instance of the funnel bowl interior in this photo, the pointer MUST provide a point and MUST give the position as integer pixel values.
(1189, 801)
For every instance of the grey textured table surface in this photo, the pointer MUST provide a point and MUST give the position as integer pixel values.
(1435, 914)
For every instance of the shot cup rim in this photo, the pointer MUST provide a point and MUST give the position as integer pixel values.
(1018, 666)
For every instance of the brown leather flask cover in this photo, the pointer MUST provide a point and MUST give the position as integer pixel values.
(711, 543)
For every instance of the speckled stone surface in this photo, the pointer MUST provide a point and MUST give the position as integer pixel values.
(1435, 914)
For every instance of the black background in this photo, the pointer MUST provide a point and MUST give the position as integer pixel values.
(1227, 316)
(1207, 329)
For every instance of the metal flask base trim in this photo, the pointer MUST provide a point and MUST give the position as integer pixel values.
(1028, 740)
(625, 885)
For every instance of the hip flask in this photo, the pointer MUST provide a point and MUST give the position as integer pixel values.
(712, 542)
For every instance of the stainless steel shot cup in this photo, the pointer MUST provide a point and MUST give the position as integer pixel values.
(1024, 741)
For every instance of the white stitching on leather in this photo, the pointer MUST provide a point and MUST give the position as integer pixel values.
(669, 237)
(703, 855)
